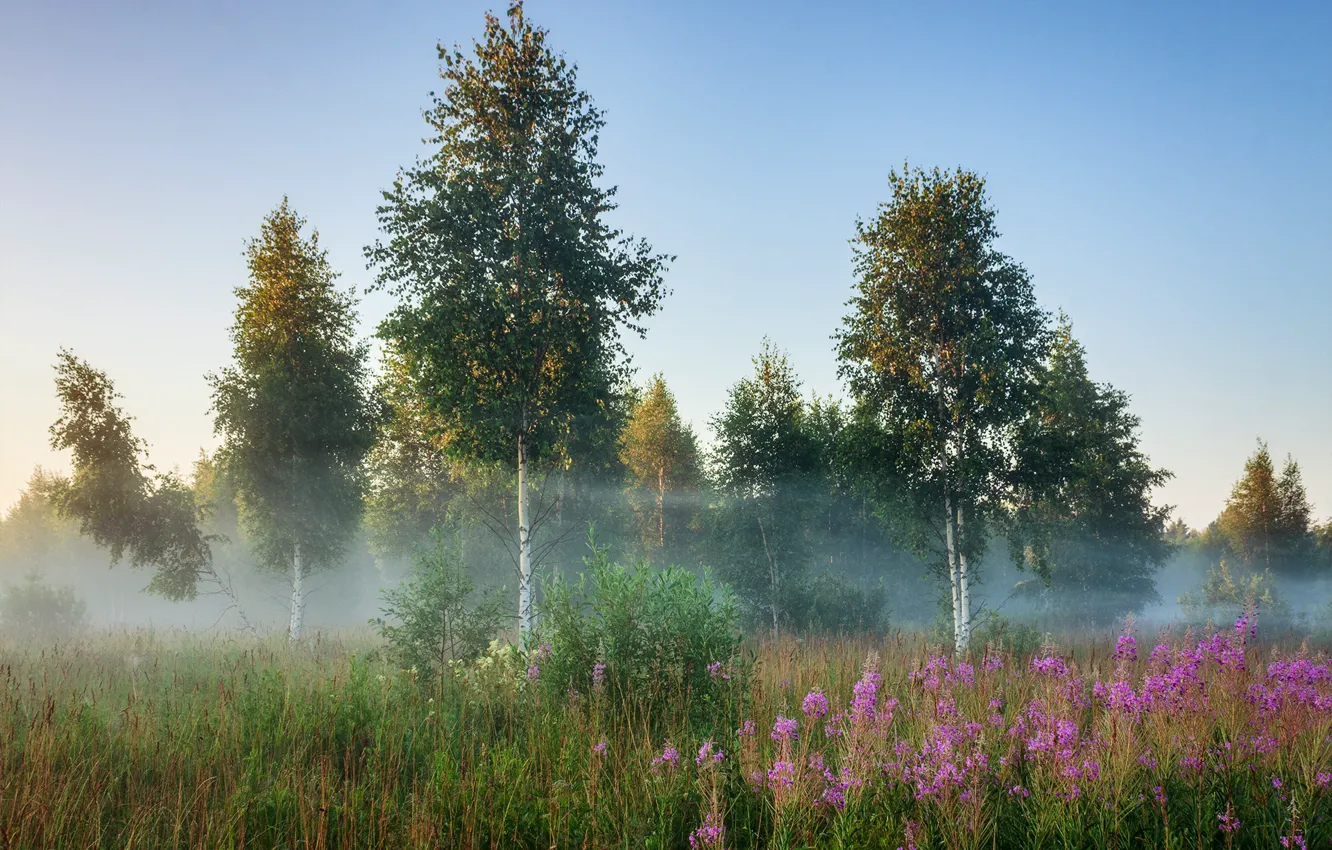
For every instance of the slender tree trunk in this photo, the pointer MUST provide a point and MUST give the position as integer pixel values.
(950, 535)
(950, 543)
(772, 578)
(964, 585)
(524, 548)
(661, 509)
(964, 577)
(297, 594)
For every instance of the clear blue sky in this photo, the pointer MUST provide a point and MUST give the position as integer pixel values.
(1162, 169)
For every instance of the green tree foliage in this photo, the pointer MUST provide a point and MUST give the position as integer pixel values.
(32, 533)
(436, 616)
(417, 485)
(1322, 535)
(121, 503)
(216, 495)
(513, 288)
(1265, 524)
(1224, 593)
(412, 479)
(1083, 516)
(660, 455)
(764, 462)
(941, 351)
(294, 409)
(851, 555)
(35, 610)
(1178, 533)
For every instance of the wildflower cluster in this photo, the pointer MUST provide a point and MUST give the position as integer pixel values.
(960, 738)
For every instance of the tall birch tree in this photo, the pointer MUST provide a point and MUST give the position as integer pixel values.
(294, 409)
(513, 289)
(942, 347)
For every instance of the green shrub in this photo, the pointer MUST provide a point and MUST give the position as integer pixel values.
(38, 611)
(661, 635)
(436, 616)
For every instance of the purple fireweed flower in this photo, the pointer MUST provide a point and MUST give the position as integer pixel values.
(706, 754)
(1246, 623)
(815, 704)
(1229, 823)
(1323, 779)
(534, 672)
(1052, 666)
(833, 796)
(909, 835)
(711, 834)
(929, 674)
(864, 694)
(600, 749)
(833, 728)
(756, 778)
(1296, 841)
(1160, 654)
(598, 674)
(670, 756)
(1126, 648)
(781, 774)
(963, 674)
(715, 671)
(746, 730)
(784, 729)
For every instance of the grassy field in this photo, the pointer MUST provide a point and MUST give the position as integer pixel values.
(166, 740)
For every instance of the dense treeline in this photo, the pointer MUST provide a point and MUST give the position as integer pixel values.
(505, 415)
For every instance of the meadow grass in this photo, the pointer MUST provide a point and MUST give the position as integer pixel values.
(141, 739)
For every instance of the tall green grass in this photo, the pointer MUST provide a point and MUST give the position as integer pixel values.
(146, 740)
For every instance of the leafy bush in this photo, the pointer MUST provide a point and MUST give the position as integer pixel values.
(439, 616)
(37, 610)
(659, 634)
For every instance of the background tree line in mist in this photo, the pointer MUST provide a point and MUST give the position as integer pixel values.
(506, 412)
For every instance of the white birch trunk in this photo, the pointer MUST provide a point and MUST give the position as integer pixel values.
(297, 595)
(950, 542)
(964, 586)
(524, 549)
